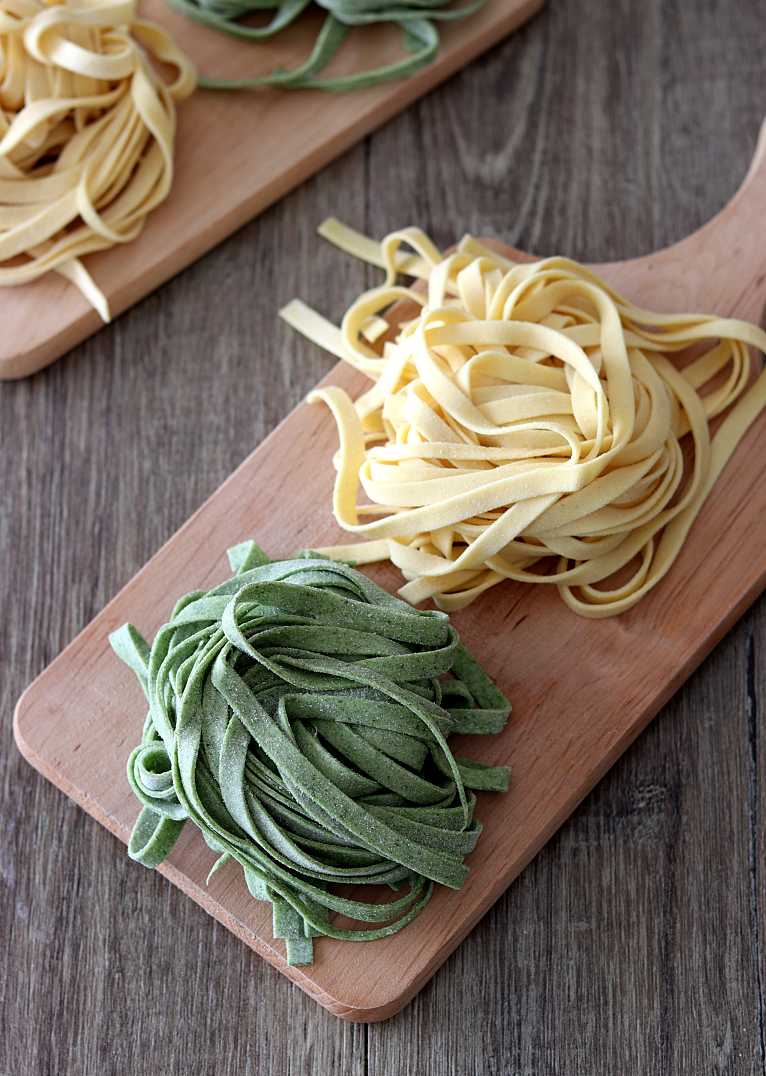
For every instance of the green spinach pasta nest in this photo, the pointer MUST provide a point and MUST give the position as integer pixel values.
(415, 18)
(298, 715)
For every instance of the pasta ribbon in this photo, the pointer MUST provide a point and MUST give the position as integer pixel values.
(414, 17)
(298, 716)
(526, 423)
(87, 128)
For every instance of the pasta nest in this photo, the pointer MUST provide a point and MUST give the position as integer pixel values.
(296, 716)
(527, 424)
(87, 129)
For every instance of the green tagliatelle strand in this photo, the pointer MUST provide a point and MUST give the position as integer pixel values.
(415, 17)
(296, 715)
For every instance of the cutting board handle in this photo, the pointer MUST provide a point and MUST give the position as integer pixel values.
(719, 269)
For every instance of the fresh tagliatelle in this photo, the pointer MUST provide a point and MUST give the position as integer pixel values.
(298, 717)
(416, 18)
(526, 424)
(87, 129)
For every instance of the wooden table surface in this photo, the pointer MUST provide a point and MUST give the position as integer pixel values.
(634, 942)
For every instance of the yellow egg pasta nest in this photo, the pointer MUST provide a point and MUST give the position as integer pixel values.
(87, 129)
(526, 425)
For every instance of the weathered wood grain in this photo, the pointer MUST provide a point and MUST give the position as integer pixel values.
(632, 942)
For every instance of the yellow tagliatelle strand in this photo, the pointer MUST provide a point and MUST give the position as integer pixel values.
(528, 420)
(86, 133)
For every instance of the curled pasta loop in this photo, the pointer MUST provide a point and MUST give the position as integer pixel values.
(526, 423)
(297, 715)
(414, 17)
(87, 128)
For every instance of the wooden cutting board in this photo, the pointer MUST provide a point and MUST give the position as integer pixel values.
(237, 153)
(582, 690)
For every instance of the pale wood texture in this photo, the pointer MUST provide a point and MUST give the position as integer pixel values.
(632, 942)
(236, 154)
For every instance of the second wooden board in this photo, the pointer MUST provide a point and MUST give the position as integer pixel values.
(237, 152)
